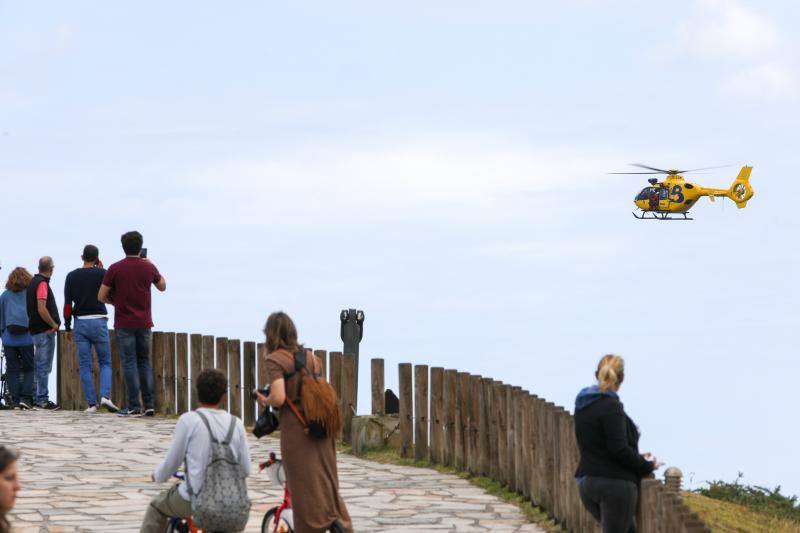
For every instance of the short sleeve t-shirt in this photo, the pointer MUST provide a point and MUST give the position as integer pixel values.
(41, 291)
(130, 281)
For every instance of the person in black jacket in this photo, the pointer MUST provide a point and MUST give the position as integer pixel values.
(611, 466)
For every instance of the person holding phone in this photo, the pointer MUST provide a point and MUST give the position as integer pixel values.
(130, 280)
(611, 466)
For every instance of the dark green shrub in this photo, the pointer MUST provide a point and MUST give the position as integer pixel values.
(759, 499)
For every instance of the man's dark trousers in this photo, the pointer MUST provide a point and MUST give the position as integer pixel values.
(134, 348)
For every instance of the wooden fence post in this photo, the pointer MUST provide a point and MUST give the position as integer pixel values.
(500, 408)
(450, 400)
(462, 402)
(348, 394)
(235, 376)
(69, 392)
(207, 352)
(475, 383)
(524, 482)
(118, 395)
(195, 365)
(516, 443)
(336, 382)
(494, 426)
(169, 373)
(406, 410)
(222, 365)
(249, 360)
(437, 408)
(483, 426)
(158, 354)
(421, 412)
(378, 396)
(322, 357)
(261, 364)
(182, 372)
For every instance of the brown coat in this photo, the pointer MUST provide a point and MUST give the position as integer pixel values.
(310, 464)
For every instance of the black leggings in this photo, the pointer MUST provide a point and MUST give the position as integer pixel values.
(612, 502)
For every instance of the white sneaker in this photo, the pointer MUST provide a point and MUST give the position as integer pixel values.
(108, 404)
(91, 409)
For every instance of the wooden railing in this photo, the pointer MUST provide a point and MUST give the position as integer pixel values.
(177, 359)
(488, 428)
(469, 422)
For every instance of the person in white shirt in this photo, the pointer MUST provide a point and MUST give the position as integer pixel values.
(191, 445)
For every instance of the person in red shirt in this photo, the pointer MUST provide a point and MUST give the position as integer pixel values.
(126, 285)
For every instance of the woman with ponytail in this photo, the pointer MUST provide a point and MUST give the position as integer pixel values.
(611, 466)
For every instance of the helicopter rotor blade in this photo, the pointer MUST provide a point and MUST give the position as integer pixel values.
(638, 172)
(704, 168)
(650, 168)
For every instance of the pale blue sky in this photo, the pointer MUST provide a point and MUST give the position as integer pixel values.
(442, 167)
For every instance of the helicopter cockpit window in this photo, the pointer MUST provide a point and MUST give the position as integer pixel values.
(664, 193)
(645, 194)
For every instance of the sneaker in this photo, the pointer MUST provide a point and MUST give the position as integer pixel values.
(91, 409)
(108, 404)
(149, 412)
(22, 406)
(49, 406)
(133, 413)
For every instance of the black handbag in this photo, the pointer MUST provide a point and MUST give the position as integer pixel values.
(267, 423)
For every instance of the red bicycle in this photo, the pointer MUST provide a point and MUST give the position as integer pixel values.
(278, 519)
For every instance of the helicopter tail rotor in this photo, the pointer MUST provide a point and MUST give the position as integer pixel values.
(740, 190)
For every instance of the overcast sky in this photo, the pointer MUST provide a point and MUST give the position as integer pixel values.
(442, 166)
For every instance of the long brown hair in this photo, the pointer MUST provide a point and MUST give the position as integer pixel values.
(8, 457)
(281, 333)
(18, 279)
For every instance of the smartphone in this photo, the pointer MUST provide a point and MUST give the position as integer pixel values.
(264, 391)
(143, 253)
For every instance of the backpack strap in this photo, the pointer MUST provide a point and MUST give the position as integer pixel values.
(210, 433)
(231, 429)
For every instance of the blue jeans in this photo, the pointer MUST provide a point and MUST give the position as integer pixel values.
(88, 333)
(134, 350)
(19, 361)
(44, 349)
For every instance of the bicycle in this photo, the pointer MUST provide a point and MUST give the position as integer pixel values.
(280, 519)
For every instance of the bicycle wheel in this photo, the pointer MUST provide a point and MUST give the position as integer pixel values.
(268, 524)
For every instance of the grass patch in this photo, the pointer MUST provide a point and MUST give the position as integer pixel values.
(728, 517)
(392, 456)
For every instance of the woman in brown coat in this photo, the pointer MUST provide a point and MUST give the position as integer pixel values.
(310, 463)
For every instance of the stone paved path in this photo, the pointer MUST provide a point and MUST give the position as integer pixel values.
(92, 473)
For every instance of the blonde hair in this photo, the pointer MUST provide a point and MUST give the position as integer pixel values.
(610, 372)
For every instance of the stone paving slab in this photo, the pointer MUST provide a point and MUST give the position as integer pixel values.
(92, 473)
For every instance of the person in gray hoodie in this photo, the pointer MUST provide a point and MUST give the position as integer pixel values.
(17, 340)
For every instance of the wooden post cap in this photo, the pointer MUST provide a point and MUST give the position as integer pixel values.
(672, 479)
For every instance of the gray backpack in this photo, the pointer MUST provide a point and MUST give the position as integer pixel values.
(222, 504)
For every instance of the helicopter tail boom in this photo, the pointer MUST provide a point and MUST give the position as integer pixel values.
(740, 190)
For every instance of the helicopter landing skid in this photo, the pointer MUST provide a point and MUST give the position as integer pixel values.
(662, 215)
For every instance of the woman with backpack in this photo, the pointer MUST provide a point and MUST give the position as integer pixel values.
(17, 340)
(611, 466)
(308, 448)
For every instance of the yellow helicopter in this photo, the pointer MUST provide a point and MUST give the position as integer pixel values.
(672, 198)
